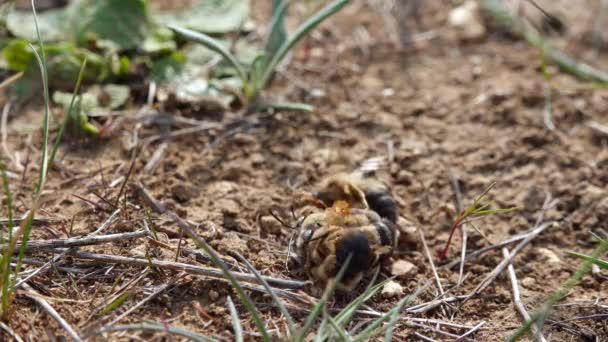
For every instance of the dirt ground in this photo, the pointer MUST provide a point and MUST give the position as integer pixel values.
(440, 111)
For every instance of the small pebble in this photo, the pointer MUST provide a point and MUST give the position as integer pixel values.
(392, 289)
(403, 269)
(528, 282)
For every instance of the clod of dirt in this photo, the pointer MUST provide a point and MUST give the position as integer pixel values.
(183, 193)
(403, 269)
(548, 255)
(467, 21)
(528, 282)
(213, 295)
(391, 289)
(270, 225)
(230, 244)
(407, 232)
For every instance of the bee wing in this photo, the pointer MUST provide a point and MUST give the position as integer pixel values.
(371, 165)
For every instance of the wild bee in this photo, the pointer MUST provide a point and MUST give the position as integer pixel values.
(351, 215)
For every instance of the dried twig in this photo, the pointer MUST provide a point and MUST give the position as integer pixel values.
(463, 228)
(76, 242)
(505, 262)
(11, 79)
(33, 294)
(10, 332)
(178, 266)
(430, 258)
(155, 327)
(517, 298)
(101, 228)
(598, 127)
(471, 331)
(157, 156)
(424, 307)
(424, 338)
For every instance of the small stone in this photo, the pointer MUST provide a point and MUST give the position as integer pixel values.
(467, 21)
(138, 251)
(388, 92)
(548, 255)
(317, 93)
(528, 282)
(403, 269)
(183, 193)
(392, 289)
(213, 295)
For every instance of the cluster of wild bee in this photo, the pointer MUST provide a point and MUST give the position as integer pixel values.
(352, 217)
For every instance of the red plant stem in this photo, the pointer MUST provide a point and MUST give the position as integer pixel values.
(444, 252)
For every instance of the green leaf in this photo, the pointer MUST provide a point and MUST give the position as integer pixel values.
(51, 22)
(160, 41)
(17, 55)
(167, 68)
(214, 45)
(300, 33)
(601, 263)
(209, 16)
(120, 23)
(277, 32)
(64, 60)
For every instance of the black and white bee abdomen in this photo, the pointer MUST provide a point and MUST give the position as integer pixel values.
(382, 203)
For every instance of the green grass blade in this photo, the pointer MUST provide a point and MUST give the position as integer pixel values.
(236, 323)
(115, 304)
(26, 226)
(45, 83)
(6, 256)
(277, 34)
(66, 120)
(300, 33)
(243, 297)
(496, 211)
(9, 200)
(214, 45)
(347, 313)
(374, 330)
(318, 309)
(290, 323)
(601, 263)
(320, 337)
(342, 334)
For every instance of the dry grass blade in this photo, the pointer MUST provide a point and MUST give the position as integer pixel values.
(51, 311)
(10, 332)
(139, 304)
(230, 276)
(178, 266)
(12, 79)
(433, 268)
(77, 242)
(236, 323)
(157, 328)
(539, 317)
(505, 262)
(517, 298)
